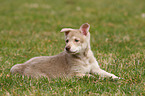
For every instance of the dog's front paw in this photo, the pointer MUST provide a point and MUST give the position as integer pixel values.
(116, 78)
(120, 78)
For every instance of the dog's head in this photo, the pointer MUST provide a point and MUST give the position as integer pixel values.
(77, 40)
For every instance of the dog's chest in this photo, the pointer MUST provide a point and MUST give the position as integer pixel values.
(85, 61)
(85, 65)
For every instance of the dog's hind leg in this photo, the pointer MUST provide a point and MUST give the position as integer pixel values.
(18, 68)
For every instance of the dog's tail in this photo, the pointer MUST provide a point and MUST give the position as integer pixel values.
(18, 68)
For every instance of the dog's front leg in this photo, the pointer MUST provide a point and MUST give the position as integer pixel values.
(82, 75)
(98, 71)
(103, 73)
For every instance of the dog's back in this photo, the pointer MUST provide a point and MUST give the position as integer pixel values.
(49, 66)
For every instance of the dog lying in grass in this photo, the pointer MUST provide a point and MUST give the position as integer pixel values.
(76, 60)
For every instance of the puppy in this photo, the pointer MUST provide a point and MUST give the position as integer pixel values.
(76, 60)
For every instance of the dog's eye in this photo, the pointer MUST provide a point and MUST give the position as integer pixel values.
(76, 40)
(67, 41)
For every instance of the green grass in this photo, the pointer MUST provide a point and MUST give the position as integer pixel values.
(30, 28)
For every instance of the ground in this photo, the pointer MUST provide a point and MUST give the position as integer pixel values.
(30, 28)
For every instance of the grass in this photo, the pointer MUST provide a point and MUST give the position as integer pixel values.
(30, 28)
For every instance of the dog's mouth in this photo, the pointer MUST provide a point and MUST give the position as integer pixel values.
(72, 52)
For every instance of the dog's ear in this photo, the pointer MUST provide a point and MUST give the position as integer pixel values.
(66, 30)
(85, 29)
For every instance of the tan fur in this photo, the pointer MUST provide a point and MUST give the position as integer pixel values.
(76, 60)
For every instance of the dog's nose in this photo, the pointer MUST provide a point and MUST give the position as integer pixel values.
(67, 48)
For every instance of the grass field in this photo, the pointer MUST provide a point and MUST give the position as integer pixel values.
(30, 28)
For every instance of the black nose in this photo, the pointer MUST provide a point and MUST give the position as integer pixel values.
(67, 48)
